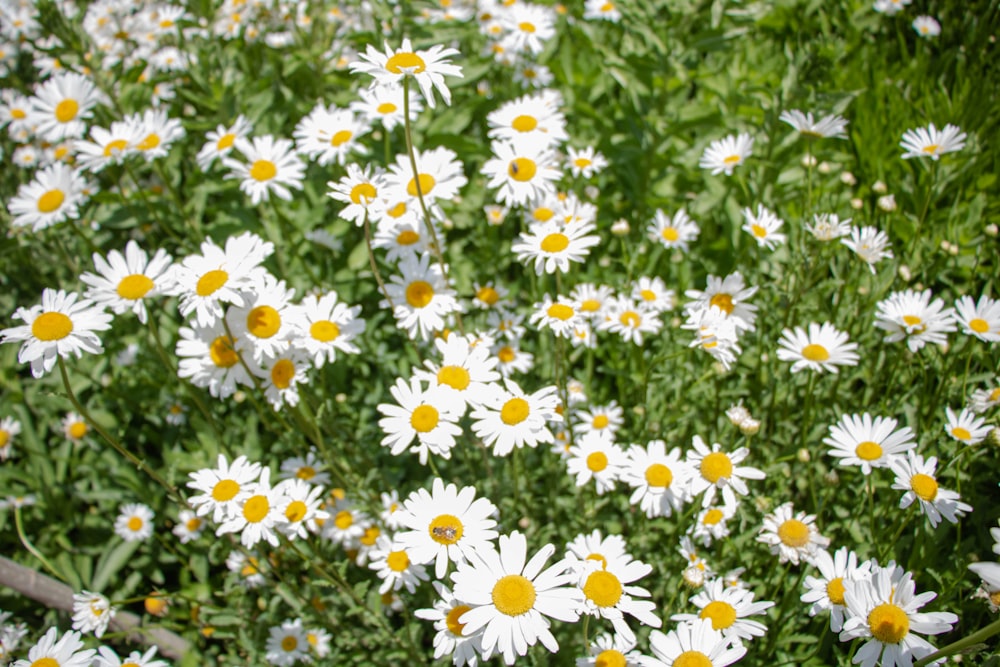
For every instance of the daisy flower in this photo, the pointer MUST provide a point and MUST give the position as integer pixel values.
(982, 400)
(62, 325)
(155, 132)
(764, 227)
(123, 282)
(512, 418)
(10, 428)
(611, 650)
(729, 295)
(535, 116)
(890, 7)
(347, 526)
(62, 104)
(326, 325)
(489, 295)
(385, 104)
(912, 316)
(728, 609)
(511, 596)
(822, 349)
(585, 162)
(560, 316)
(361, 189)
(652, 295)
(451, 638)
(300, 507)
(717, 333)
(676, 232)
(659, 478)
(527, 27)
(710, 524)
(247, 567)
(428, 68)
(552, 246)
(595, 456)
(826, 592)
(287, 644)
(439, 175)
(108, 658)
(980, 319)
(260, 319)
(931, 142)
(53, 196)
(219, 142)
(884, 611)
(271, 167)
(511, 359)
(604, 420)
(92, 612)
(629, 320)
(428, 416)
(212, 359)
(465, 371)
(393, 566)
(328, 134)
(927, 26)
(592, 300)
(792, 536)
(869, 443)
(695, 644)
(533, 75)
(73, 427)
(916, 478)
(224, 488)
(258, 513)
(404, 237)
(134, 522)
(716, 469)
(65, 651)
(966, 427)
(189, 526)
(107, 146)
(445, 525)
(724, 155)
(421, 297)
(523, 169)
(828, 126)
(870, 244)
(829, 227)
(608, 594)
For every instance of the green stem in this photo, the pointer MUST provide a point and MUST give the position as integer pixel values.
(371, 261)
(19, 526)
(961, 645)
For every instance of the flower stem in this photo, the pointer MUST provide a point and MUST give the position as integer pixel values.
(961, 645)
(19, 526)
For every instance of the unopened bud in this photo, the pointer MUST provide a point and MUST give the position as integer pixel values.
(991, 229)
(824, 167)
(847, 178)
(880, 187)
(904, 272)
(808, 160)
(750, 427)
(620, 227)
(887, 203)
(857, 203)
(803, 455)
(694, 577)
(592, 191)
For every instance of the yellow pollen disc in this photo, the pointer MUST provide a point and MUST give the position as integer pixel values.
(607, 7)
(560, 311)
(815, 352)
(555, 242)
(51, 326)
(979, 325)
(51, 201)
(522, 169)
(514, 411)
(18, 114)
(600, 421)
(150, 142)
(386, 108)
(324, 331)
(341, 137)
(455, 377)
(225, 489)
(995, 394)
(66, 110)
(289, 644)
(888, 623)
(603, 588)
(363, 193)
(427, 183)
(723, 302)
(630, 318)
(250, 568)
(506, 354)
(77, 430)
(263, 170)
(407, 237)
(995, 598)
(925, 486)
(712, 517)
(670, 234)
(282, 373)
(296, 511)
(600, 559)
(793, 533)
(370, 536)
(134, 287)
(868, 451)
(222, 353)
(256, 508)
(424, 418)
(446, 529)
(526, 27)
(193, 524)
(758, 231)
(524, 123)
(732, 159)
(961, 433)
(305, 472)
(61, 152)
(397, 210)
(543, 214)
(835, 591)
(454, 627)
(931, 149)
(582, 162)
(405, 63)
(648, 295)
(911, 320)
(597, 461)
(590, 306)
(135, 524)
(610, 658)
(263, 321)
(488, 295)
(513, 595)
(397, 561)
(115, 147)
(343, 520)
(210, 282)
(4, 438)
(715, 466)
(723, 614)
(419, 293)
(659, 476)
(45, 662)
(692, 659)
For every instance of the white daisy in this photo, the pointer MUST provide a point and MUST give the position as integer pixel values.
(726, 154)
(123, 282)
(729, 610)
(427, 67)
(261, 318)
(62, 104)
(659, 478)
(224, 488)
(608, 594)
(421, 297)
(54, 195)
(716, 469)
(826, 592)
(792, 536)
(385, 104)
(393, 566)
(134, 522)
(913, 317)
(189, 526)
(931, 142)
(429, 416)
(451, 638)
(220, 142)
(66, 651)
(325, 326)
(916, 478)
(822, 349)
(259, 513)
(764, 227)
(966, 427)
(439, 175)
(271, 167)
(629, 320)
(695, 644)
(595, 456)
(829, 227)
(467, 371)
(728, 295)
(827, 126)
(870, 244)
(92, 612)
(869, 443)
(980, 319)
(212, 359)
(512, 418)
(585, 162)
(329, 134)
(10, 428)
(287, 644)
(523, 169)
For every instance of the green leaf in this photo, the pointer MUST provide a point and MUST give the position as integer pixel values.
(111, 562)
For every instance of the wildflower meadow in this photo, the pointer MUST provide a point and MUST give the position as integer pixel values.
(495, 332)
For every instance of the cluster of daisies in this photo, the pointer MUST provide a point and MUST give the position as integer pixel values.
(68, 650)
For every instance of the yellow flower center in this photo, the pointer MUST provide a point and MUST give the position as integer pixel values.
(222, 353)
(225, 141)
(45, 662)
(77, 430)
(715, 466)
(155, 607)
(343, 520)
(386, 108)
(888, 623)
(256, 508)
(522, 169)
(210, 282)
(659, 476)
(543, 214)
(363, 193)
(250, 568)
(426, 182)
(397, 561)
(51, 201)
(324, 331)
(419, 293)
(961, 433)
(758, 231)
(723, 302)
(598, 558)
(524, 26)
(599, 422)
(630, 319)
(723, 614)
(930, 149)
(712, 517)
(555, 242)
(506, 354)
(835, 591)
(455, 377)
(692, 659)
(815, 352)
(582, 162)
(446, 529)
(407, 237)
(18, 114)
(135, 524)
(424, 418)
(524, 123)
(67, 110)
(670, 234)
(4, 438)
(370, 536)
(405, 62)
(488, 295)
(925, 486)
(911, 320)
(590, 306)
(610, 658)
(514, 411)
(648, 295)
(979, 325)
(732, 159)
(289, 643)
(513, 595)
(225, 489)
(193, 524)
(399, 209)
(793, 533)
(51, 326)
(603, 588)
(597, 461)
(608, 7)
(263, 321)
(296, 511)
(868, 450)
(134, 287)
(150, 142)
(282, 373)
(263, 170)
(305, 472)
(560, 311)
(115, 147)
(451, 620)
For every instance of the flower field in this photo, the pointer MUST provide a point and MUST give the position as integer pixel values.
(476, 332)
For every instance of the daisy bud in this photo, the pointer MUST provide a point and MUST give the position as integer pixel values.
(887, 203)
(694, 577)
(880, 187)
(857, 203)
(953, 250)
(340, 398)
(591, 191)
(847, 178)
(620, 228)
(904, 272)
(808, 161)
(762, 503)
(991, 229)
(993, 437)
(863, 290)
(239, 396)
(802, 455)
(824, 167)
(447, 223)
(156, 606)
(604, 262)
(832, 478)
(737, 414)
(524, 522)
(945, 245)
(750, 427)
